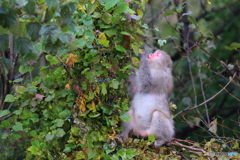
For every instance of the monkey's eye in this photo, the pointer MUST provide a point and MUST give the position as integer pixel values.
(159, 54)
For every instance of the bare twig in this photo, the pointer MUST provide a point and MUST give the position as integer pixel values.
(191, 108)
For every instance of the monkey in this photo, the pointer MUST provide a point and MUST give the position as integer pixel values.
(150, 87)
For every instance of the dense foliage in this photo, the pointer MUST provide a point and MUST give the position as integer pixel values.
(64, 65)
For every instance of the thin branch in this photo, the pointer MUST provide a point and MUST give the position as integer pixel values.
(65, 67)
(191, 108)
(217, 10)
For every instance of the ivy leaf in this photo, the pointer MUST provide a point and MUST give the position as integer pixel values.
(115, 84)
(9, 98)
(103, 88)
(67, 37)
(30, 7)
(50, 32)
(52, 4)
(4, 42)
(121, 7)
(81, 43)
(4, 113)
(49, 137)
(24, 69)
(125, 117)
(213, 126)
(161, 42)
(33, 150)
(107, 18)
(80, 30)
(23, 45)
(33, 29)
(65, 113)
(18, 126)
(110, 3)
(60, 132)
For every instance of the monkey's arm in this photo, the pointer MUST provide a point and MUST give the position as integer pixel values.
(132, 82)
(145, 80)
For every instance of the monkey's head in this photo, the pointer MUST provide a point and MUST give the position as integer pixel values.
(159, 60)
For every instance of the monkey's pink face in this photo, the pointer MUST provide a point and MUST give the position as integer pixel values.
(155, 55)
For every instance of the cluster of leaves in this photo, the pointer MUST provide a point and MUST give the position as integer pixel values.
(73, 108)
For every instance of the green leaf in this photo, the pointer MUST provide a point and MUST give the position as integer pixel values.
(52, 4)
(67, 149)
(103, 89)
(49, 137)
(33, 150)
(110, 3)
(4, 112)
(121, 7)
(18, 80)
(18, 126)
(65, 113)
(9, 98)
(151, 138)
(23, 45)
(80, 30)
(15, 135)
(50, 32)
(161, 42)
(33, 29)
(24, 69)
(145, 26)
(90, 95)
(7, 63)
(66, 14)
(121, 49)
(4, 136)
(81, 43)
(59, 122)
(52, 59)
(169, 13)
(89, 35)
(60, 132)
(115, 84)
(107, 18)
(9, 18)
(30, 7)
(21, 3)
(4, 42)
(193, 20)
(67, 37)
(125, 117)
(34, 117)
(35, 143)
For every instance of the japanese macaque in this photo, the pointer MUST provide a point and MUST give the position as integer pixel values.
(150, 87)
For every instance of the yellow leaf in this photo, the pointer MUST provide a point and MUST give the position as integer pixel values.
(209, 2)
(91, 106)
(80, 7)
(135, 61)
(71, 60)
(67, 86)
(82, 108)
(102, 36)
